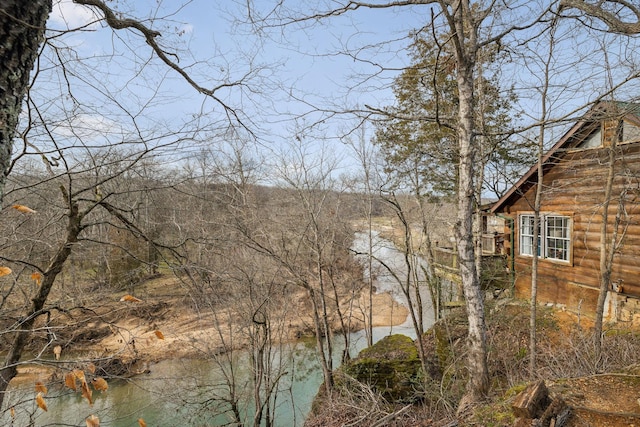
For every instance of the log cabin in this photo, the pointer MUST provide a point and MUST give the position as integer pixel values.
(571, 234)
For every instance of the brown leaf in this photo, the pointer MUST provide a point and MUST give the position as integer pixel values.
(99, 384)
(13, 412)
(91, 367)
(79, 373)
(40, 402)
(70, 381)
(86, 392)
(37, 277)
(130, 298)
(5, 271)
(57, 351)
(23, 209)
(41, 388)
(93, 421)
(159, 334)
(141, 422)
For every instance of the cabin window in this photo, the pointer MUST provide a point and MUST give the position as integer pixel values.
(527, 235)
(593, 140)
(553, 234)
(630, 133)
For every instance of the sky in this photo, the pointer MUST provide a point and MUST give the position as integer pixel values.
(294, 82)
(289, 72)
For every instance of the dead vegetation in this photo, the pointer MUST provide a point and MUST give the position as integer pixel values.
(599, 392)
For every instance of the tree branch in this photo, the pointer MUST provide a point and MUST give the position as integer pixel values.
(150, 37)
(613, 22)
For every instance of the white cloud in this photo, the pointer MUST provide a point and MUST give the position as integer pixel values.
(89, 128)
(67, 15)
(185, 29)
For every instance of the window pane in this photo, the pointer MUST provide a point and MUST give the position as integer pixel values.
(557, 237)
(526, 234)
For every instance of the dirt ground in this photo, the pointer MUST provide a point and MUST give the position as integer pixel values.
(606, 400)
(601, 400)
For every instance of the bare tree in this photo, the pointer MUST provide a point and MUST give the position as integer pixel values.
(463, 22)
(83, 203)
(610, 242)
(369, 186)
(541, 140)
(411, 279)
(308, 239)
(469, 27)
(86, 146)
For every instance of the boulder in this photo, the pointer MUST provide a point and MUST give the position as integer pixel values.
(391, 367)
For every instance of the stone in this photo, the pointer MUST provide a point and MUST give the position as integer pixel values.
(391, 366)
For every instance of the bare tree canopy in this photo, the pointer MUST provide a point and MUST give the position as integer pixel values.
(25, 36)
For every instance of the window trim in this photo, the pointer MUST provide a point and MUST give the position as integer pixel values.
(545, 237)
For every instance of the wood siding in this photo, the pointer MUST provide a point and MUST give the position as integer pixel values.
(574, 187)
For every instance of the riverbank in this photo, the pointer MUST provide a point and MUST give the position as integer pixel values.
(190, 334)
(161, 324)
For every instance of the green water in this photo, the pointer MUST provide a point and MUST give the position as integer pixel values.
(176, 393)
(193, 392)
(185, 392)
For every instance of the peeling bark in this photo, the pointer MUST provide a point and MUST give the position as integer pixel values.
(466, 53)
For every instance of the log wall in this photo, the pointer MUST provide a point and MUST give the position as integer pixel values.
(575, 187)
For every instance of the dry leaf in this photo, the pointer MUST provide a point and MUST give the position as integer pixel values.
(141, 422)
(70, 381)
(40, 402)
(159, 334)
(13, 412)
(86, 392)
(130, 298)
(99, 384)
(23, 209)
(93, 421)
(91, 367)
(37, 277)
(5, 271)
(40, 387)
(57, 351)
(79, 373)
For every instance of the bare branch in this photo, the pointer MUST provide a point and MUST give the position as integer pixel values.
(150, 37)
(614, 23)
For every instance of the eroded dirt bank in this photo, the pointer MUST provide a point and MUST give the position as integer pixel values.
(126, 336)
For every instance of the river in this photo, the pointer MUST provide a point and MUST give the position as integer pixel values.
(183, 392)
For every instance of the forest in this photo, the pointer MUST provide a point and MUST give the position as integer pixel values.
(204, 170)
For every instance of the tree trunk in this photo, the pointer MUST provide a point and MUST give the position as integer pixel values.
(327, 371)
(433, 281)
(21, 338)
(478, 383)
(607, 249)
(537, 204)
(22, 26)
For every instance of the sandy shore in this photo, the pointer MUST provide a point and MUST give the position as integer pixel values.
(180, 333)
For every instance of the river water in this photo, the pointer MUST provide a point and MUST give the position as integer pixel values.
(189, 392)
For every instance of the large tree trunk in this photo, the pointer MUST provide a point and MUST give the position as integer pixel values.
(478, 383)
(22, 25)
